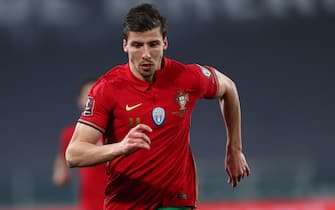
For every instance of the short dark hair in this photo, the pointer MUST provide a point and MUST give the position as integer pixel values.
(143, 17)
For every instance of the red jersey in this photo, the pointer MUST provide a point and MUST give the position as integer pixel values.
(166, 174)
(93, 179)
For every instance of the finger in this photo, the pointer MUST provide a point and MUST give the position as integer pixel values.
(244, 172)
(143, 127)
(247, 170)
(235, 181)
(141, 136)
(229, 180)
(139, 144)
(144, 145)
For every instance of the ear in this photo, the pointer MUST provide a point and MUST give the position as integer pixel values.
(125, 47)
(166, 43)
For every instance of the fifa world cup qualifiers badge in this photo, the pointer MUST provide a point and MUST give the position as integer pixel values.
(205, 71)
(88, 111)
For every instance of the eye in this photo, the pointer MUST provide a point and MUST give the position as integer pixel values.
(136, 44)
(154, 44)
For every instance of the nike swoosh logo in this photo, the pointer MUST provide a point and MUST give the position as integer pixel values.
(129, 108)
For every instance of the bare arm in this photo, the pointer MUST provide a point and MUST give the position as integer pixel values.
(82, 150)
(235, 162)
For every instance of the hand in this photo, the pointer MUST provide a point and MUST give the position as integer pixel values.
(136, 139)
(236, 167)
(61, 173)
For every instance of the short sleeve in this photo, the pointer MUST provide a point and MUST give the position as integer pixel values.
(208, 85)
(98, 106)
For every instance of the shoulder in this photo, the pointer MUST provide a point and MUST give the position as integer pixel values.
(192, 70)
(112, 79)
(174, 65)
(177, 67)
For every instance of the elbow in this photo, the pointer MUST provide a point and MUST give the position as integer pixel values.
(232, 84)
(228, 89)
(231, 87)
(70, 159)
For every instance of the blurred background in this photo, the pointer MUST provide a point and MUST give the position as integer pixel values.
(280, 53)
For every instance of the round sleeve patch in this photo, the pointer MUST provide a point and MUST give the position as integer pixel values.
(205, 71)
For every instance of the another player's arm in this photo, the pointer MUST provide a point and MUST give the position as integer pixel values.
(236, 165)
(61, 173)
(82, 150)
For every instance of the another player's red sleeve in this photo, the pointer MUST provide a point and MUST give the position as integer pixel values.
(98, 106)
(208, 85)
(65, 138)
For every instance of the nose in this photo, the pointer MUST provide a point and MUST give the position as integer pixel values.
(146, 52)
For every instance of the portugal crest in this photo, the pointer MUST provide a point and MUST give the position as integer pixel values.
(158, 115)
(181, 99)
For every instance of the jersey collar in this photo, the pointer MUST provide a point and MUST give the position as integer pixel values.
(141, 84)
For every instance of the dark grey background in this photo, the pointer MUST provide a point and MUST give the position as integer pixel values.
(281, 56)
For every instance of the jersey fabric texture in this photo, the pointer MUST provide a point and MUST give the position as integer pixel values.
(164, 176)
(93, 179)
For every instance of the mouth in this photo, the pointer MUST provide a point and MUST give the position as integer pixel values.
(146, 66)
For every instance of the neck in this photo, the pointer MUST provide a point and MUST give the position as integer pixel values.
(147, 78)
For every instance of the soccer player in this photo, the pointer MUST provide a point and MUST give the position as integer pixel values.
(93, 180)
(143, 110)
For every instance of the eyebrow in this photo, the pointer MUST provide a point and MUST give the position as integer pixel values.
(155, 41)
(139, 42)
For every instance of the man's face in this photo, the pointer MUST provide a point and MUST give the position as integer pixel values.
(145, 52)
